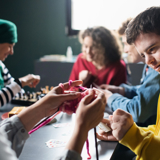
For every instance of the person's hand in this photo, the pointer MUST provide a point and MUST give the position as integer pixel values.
(107, 93)
(88, 115)
(56, 97)
(30, 80)
(113, 89)
(47, 105)
(86, 77)
(121, 122)
(90, 112)
(106, 136)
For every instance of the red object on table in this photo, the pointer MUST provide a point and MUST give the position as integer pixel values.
(5, 115)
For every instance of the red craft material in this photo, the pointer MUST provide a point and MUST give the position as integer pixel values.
(68, 107)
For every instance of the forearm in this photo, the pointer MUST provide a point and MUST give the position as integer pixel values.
(137, 107)
(31, 116)
(77, 140)
(129, 91)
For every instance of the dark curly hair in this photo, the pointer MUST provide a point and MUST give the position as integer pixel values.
(103, 38)
(123, 27)
(147, 21)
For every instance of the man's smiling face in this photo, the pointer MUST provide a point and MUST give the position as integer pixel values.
(148, 46)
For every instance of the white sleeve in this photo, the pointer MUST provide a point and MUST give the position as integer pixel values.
(10, 89)
(6, 153)
(8, 92)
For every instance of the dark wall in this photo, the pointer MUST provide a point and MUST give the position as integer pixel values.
(41, 31)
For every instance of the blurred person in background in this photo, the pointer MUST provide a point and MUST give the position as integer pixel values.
(100, 61)
(10, 86)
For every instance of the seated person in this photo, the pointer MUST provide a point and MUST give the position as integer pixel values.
(141, 100)
(144, 32)
(9, 86)
(14, 130)
(100, 61)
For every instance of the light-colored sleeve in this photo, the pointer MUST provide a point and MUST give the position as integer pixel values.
(69, 155)
(10, 89)
(15, 132)
(6, 153)
(142, 142)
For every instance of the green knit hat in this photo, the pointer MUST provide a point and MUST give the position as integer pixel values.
(8, 32)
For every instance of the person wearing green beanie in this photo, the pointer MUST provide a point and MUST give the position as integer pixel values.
(10, 86)
(8, 32)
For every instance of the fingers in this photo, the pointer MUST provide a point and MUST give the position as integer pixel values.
(74, 83)
(103, 86)
(106, 137)
(105, 121)
(31, 80)
(121, 123)
(101, 98)
(70, 96)
(88, 98)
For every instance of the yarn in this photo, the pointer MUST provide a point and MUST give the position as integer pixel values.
(71, 106)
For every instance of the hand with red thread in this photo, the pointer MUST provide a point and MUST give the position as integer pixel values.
(57, 96)
(48, 105)
(88, 115)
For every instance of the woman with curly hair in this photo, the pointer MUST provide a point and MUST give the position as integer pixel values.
(100, 61)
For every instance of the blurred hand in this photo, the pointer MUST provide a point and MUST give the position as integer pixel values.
(56, 97)
(113, 89)
(107, 93)
(121, 122)
(90, 112)
(85, 76)
(106, 136)
(30, 80)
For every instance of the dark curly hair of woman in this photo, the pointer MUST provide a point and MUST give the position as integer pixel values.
(103, 38)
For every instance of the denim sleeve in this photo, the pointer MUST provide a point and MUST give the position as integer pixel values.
(15, 132)
(140, 101)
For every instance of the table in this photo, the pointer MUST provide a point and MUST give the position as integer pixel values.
(42, 152)
(35, 148)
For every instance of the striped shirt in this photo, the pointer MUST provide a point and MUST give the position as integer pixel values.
(11, 88)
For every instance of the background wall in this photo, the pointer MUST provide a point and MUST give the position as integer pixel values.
(41, 31)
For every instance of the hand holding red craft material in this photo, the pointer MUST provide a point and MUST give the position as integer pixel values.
(92, 102)
(70, 106)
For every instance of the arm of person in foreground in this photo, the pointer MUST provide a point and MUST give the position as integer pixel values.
(18, 126)
(88, 115)
(142, 141)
